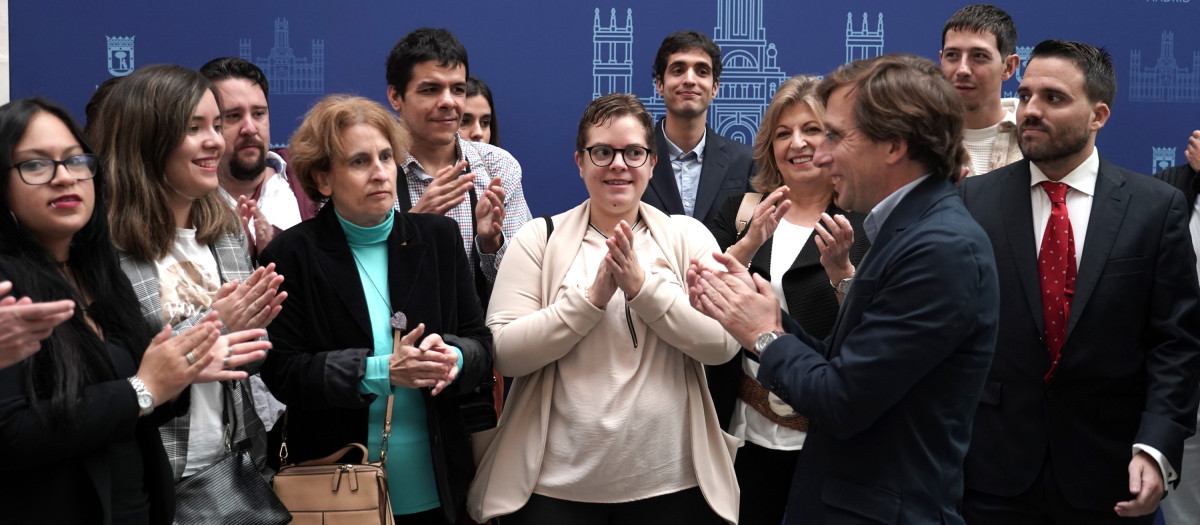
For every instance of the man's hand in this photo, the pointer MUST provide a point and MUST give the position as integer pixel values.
(744, 309)
(1146, 485)
(1192, 153)
(489, 215)
(263, 231)
(447, 190)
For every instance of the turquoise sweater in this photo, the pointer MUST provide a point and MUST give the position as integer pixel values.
(411, 482)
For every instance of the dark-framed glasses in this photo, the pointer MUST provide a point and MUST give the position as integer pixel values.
(41, 170)
(602, 155)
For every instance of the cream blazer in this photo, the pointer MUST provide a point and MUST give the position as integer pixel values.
(531, 335)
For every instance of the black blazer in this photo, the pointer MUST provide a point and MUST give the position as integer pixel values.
(49, 474)
(727, 168)
(890, 393)
(811, 300)
(1128, 371)
(323, 336)
(1184, 178)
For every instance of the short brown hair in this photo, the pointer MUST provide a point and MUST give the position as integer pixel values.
(318, 141)
(800, 89)
(906, 98)
(144, 119)
(614, 106)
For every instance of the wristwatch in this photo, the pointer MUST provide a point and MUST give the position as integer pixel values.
(843, 285)
(145, 399)
(765, 339)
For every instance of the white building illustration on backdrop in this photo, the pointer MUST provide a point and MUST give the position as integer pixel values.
(287, 73)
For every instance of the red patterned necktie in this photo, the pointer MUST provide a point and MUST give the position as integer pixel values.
(1056, 268)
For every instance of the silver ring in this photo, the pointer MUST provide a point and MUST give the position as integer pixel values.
(226, 363)
(191, 357)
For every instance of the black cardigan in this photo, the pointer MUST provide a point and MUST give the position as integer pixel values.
(323, 337)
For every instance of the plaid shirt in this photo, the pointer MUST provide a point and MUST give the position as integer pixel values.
(486, 161)
(233, 262)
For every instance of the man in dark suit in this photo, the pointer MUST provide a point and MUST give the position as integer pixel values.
(890, 394)
(1184, 504)
(697, 168)
(1093, 387)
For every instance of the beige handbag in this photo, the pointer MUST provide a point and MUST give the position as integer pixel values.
(326, 490)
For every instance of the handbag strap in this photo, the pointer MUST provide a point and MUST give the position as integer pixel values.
(387, 429)
(746, 210)
(227, 420)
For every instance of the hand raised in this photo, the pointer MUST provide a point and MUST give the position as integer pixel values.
(447, 190)
(253, 303)
(834, 237)
(622, 261)
(489, 216)
(231, 351)
(434, 343)
(262, 231)
(24, 324)
(166, 368)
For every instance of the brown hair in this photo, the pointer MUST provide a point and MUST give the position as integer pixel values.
(906, 98)
(317, 143)
(800, 89)
(145, 119)
(614, 106)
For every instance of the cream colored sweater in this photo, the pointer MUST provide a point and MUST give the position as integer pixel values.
(540, 319)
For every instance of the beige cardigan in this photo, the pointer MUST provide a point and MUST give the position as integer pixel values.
(531, 335)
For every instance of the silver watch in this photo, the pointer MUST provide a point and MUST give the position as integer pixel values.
(765, 339)
(145, 399)
(843, 285)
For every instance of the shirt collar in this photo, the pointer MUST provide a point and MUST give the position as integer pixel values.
(881, 211)
(674, 152)
(276, 162)
(1082, 178)
(414, 167)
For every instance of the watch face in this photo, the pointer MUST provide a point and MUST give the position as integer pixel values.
(765, 339)
(145, 401)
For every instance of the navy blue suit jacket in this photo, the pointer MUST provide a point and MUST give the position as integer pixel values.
(1128, 371)
(727, 168)
(891, 393)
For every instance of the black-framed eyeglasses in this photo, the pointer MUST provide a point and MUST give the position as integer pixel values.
(36, 172)
(602, 155)
(834, 136)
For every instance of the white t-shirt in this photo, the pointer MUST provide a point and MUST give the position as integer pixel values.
(979, 143)
(188, 280)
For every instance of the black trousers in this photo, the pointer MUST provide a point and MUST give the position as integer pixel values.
(765, 476)
(686, 507)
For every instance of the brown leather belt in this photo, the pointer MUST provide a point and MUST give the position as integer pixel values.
(755, 395)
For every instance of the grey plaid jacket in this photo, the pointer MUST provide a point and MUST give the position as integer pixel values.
(233, 262)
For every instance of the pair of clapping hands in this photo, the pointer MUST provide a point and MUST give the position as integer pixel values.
(432, 363)
(449, 189)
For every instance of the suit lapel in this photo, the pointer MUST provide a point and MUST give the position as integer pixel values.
(406, 255)
(1019, 235)
(1108, 210)
(663, 182)
(337, 262)
(712, 173)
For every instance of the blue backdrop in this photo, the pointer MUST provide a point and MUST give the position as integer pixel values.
(546, 59)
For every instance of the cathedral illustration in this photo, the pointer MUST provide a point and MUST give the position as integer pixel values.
(1165, 81)
(287, 73)
(863, 43)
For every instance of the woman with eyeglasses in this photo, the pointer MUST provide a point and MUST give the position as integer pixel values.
(79, 419)
(609, 419)
(182, 245)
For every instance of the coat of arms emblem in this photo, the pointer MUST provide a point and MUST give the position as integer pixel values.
(120, 55)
